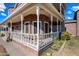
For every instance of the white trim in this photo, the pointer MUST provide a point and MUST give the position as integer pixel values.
(60, 26)
(33, 26)
(60, 8)
(44, 26)
(28, 26)
(22, 23)
(51, 23)
(57, 24)
(10, 26)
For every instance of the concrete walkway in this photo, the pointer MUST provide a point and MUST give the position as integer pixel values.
(13, 49)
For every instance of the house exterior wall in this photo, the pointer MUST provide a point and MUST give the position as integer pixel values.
(60, 8)
(31, 18)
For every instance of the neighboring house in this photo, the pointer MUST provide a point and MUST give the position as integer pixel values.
(72, 26)
(32, 25)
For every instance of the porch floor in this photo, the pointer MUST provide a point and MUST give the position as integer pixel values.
(14, 49)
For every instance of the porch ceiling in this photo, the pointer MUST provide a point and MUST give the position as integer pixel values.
(25, 13)
(46, 9)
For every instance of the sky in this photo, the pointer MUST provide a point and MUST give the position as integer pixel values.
(68, 12)
(4, 10)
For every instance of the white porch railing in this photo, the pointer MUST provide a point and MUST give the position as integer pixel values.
(30, 40)
(45, 39)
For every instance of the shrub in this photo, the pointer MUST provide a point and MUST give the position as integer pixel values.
(2, 35)
(65, 36)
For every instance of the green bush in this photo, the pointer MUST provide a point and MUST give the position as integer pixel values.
(65, 36)
(2, 35)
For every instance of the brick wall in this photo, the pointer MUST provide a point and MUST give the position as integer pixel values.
(77, 23)
(71, 28)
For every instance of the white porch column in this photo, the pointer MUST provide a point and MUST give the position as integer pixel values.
(51, 27)
(57, 27)
(60, 26)
(10, 29)
(60, 7)
(51, 23)
(21, 25)
(10, 26)
(37, 13)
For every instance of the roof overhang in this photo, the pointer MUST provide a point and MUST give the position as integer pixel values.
(19, 10)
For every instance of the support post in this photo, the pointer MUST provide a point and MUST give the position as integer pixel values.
(21, 25)
(51, 27)
(57, 28)
(60, 26)
(51, 24)
(37, 13)
(10, 29)
(10, 26)
(60, 7)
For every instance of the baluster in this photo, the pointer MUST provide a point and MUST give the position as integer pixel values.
(26, 37)
(32, 39)
(35, 39)
(27, 40)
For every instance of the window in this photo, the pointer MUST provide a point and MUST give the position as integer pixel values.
(35, 27)
(27, 27)
(46, 27)
(54, 24)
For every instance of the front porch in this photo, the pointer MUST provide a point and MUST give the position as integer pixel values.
(35, 27)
